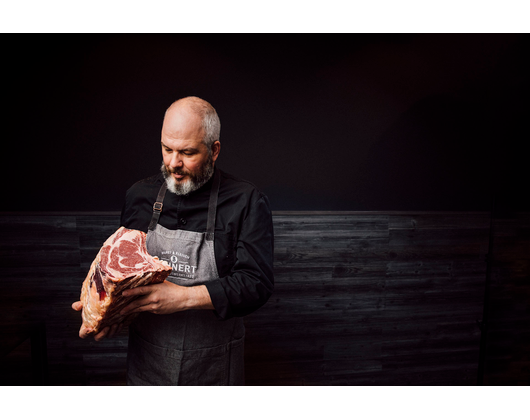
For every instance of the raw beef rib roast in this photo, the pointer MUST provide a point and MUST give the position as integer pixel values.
(122, 263)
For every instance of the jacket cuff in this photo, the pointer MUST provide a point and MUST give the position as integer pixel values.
(219, 299)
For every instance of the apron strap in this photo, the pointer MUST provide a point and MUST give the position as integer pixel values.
(212, 206)
(157, 207)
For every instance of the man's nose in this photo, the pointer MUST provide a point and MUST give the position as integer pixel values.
(176, 161)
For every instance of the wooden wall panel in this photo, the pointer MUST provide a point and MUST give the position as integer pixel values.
(508, 339)
(435, 286)
(360, 299)
(398, 295)
(321, 326)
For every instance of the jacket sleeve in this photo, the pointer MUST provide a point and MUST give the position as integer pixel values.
(251, 281)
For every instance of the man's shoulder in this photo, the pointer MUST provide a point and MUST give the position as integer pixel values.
(242, 186)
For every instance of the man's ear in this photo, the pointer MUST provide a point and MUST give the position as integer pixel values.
(216, 149)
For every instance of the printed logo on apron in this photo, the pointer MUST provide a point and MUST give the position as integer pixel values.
(180, 263)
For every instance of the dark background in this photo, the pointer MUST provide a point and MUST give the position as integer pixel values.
(317, 121)
(409, 122)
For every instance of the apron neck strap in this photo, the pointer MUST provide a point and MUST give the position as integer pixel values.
(157, 207)
(212, 205)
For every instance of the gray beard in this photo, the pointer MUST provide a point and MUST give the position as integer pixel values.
(193, 183)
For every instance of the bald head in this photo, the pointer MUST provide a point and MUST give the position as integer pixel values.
(190, 145)
(196, 111)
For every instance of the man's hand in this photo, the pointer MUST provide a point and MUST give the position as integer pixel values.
(167, 298)
(107, 332)
(162, 298)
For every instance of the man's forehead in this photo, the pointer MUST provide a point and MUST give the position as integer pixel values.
(183, 125)
(182, 144)
(181, 113)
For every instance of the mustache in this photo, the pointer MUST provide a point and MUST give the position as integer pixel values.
(176, 171)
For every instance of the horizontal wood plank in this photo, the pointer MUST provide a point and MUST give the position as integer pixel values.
(361, 298)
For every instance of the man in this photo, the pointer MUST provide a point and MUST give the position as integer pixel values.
(216, 232)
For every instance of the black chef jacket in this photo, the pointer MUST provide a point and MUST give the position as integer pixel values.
(243, 241)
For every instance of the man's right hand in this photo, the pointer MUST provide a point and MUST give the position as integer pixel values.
(107, 332)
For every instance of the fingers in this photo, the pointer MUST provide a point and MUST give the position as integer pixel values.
(84, 332)
(102, 334)
(136, 307)
(107, 332)
(137, 291)
(139, 304)
(114, 329)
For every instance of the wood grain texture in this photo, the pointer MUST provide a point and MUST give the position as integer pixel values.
(508, 339)
(361, 298)
(395, 295)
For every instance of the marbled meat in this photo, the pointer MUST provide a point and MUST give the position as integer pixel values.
(122, 263)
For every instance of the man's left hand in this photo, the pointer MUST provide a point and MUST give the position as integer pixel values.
(167, 298)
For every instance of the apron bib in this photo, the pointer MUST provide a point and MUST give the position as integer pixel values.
(190, 347)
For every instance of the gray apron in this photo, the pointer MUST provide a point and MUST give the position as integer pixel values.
(190, 347)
